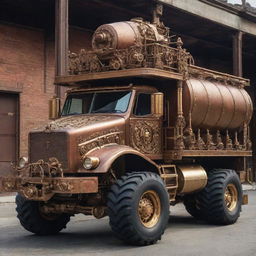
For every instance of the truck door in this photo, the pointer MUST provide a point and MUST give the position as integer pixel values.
(145, 128)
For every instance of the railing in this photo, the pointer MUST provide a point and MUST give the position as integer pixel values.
(154, 55)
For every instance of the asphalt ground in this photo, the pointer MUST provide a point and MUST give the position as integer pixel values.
(87, 236)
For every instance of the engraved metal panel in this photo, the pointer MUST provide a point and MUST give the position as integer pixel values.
(46, 145)
(146, 136)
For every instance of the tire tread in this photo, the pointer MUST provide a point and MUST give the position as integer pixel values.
(31, 219)
(119, 207)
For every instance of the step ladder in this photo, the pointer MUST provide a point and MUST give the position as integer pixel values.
(170, 178)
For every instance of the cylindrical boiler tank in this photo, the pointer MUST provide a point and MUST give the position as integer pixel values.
(121, 35)
(215, 105)
(191, 178)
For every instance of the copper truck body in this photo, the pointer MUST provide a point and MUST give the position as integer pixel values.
(140, 120)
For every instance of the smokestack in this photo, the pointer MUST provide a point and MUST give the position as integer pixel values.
(157, 13)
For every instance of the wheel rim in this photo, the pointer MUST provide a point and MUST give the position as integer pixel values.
(231, 197)
(149, 208)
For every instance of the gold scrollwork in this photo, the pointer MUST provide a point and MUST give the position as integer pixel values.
(74, 122)
(146, 136)
(99, 139)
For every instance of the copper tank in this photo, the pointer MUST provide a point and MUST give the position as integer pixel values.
(121, 35)
(215, 105)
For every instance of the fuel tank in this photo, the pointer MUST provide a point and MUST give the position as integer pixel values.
(121, 35)
(191, 178)
(215, 105)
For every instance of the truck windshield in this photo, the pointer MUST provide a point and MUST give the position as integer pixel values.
(96, 102)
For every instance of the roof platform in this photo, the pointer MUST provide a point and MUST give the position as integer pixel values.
(147, 75)
(142, 74)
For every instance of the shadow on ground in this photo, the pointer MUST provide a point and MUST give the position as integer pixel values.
(90, 234)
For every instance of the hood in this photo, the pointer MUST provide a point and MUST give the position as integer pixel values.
(77, 122)
(71, 137)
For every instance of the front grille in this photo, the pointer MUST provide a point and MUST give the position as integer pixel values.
(44, 145)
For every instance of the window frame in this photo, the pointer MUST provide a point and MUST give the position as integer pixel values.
(93, 92)
(136, 102)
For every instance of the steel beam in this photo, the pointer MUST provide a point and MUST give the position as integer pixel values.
(213, 13)
(238, 54)
(61, 37)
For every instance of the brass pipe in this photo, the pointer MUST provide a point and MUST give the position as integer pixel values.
(179, 98)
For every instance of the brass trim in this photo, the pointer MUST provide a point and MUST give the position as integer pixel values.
(95, 161)
(145, 72)
(149, 209)
(194, 70)
(231, 197)
(44, 188)
(54, 108)
(157, 104)
(245, 199)
(173, 154)
(170, 177)
(191, 178)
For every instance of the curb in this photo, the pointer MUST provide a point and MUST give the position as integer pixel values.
(7, 199)
(248, 187)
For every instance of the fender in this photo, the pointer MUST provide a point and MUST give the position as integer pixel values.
(132, 159)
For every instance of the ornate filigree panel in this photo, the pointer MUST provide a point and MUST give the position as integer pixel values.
(74, 122)
(148, 56)
(146, 45)
(216, 140)
(146, 136)
(210, 75)
(99, 139)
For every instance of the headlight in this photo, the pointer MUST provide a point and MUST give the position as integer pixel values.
(22, 162)
(91, 162)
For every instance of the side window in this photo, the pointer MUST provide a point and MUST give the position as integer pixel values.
(76, 106)
(143, 105)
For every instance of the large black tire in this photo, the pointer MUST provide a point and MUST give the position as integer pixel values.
(220, 201)
(34, 221)
(192, 206)
(138, 208)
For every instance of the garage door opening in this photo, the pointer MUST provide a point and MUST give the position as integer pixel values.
(9, 132)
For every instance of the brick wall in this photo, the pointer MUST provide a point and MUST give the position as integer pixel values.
(27, 66)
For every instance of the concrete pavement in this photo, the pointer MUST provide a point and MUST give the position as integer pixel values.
(84, 235)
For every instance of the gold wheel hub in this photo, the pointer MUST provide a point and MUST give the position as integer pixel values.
(231, 197)
(149, 208)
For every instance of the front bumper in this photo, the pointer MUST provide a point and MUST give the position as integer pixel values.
(43, 189)
(41, 180)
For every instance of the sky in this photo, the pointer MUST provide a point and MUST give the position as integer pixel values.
(251, 2)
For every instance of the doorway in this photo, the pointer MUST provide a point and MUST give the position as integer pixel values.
(9, 131)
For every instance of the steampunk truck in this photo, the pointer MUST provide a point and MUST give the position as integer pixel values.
(142, 128)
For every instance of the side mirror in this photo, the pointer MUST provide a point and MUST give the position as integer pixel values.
(54, 108)
(157, 104)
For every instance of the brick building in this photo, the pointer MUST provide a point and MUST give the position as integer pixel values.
(27, 71)
(219, 35)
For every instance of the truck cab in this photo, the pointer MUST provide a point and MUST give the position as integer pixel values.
(134, 105)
